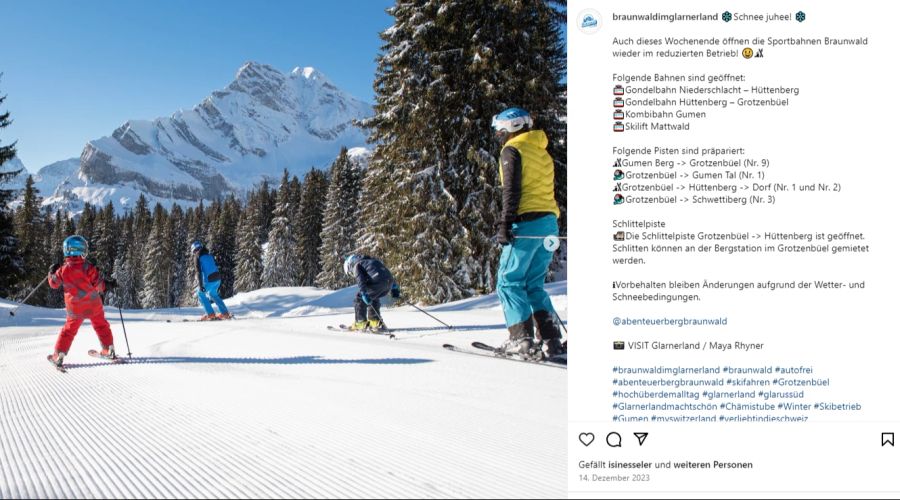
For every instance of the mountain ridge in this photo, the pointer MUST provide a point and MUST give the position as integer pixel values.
(259, 124)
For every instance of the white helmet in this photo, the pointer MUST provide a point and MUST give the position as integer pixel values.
(350, 264)
(511, 120)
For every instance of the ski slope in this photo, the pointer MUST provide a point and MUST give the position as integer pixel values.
(274, 405)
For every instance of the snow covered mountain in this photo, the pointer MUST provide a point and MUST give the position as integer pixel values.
(53, 181)
(12, 165)
(263, 122)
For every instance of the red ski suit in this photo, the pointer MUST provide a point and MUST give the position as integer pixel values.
(82, 287)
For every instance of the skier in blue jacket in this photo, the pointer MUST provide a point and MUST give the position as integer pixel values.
(375, 282)
(208, 281)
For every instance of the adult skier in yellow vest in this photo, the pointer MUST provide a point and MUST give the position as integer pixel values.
(529, 209)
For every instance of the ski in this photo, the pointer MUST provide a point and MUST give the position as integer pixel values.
(345, 328)
(485, 347)
(491, 352)
(414, 329)
(60, 369)
(382, 331)
(557, 360)
(186, 320)
(96, 354)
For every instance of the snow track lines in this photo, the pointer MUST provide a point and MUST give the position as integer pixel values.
(277, 408)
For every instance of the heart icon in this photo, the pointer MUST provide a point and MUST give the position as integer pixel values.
(586, 438)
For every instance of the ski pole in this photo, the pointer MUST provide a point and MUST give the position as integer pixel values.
(430, 316)
(561, 322)
(12, 312)
(370, 306)
(123, 331)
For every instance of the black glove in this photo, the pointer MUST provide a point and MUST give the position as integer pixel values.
(504, 233)
(395, 291)
(111, 284)
(54, 267)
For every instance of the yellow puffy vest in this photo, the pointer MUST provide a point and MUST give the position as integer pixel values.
(537, 173)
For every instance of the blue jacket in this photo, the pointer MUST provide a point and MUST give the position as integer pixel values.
(207, 272)
(373, 277)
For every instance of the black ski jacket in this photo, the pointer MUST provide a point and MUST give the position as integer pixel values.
(373, 277)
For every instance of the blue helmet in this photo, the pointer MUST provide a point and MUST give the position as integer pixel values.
(196, 246)
(75, 246)
(511, 120)
(350, 264)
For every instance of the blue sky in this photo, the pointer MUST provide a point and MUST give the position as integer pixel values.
(74, 71)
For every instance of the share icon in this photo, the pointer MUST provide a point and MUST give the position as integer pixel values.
(641, 437)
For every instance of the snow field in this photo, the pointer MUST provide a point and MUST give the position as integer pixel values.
(274, 405)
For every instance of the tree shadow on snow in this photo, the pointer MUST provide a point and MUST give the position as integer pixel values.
(296, 360)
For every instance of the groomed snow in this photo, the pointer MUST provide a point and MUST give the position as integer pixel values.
(274, 405)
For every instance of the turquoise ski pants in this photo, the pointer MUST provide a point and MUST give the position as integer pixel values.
(212, 293)
(523, 267)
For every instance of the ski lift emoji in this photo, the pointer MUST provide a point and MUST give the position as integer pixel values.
(618, 127)
(618, 102)
(618, 90)
(618, 114)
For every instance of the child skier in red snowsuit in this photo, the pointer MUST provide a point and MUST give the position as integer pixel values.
(82, 287)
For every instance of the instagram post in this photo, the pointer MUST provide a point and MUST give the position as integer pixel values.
(335, 250)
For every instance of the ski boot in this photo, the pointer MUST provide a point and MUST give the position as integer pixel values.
(109, 352)
(58, 357)
(516, 347)
(377, 326)
(519, 342)
(552, 348)
(226, 315)
(359, 326)
(208, 317)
